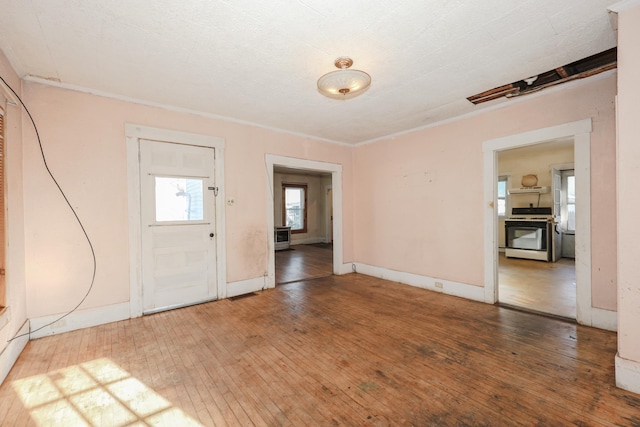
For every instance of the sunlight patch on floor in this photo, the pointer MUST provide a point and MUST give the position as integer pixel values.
(96, 393)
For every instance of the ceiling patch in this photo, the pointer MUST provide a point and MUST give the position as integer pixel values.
(587, 67)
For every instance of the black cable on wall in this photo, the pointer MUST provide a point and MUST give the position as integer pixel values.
(73, 211)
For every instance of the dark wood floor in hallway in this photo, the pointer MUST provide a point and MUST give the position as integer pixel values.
(340, 350)
(303, 262)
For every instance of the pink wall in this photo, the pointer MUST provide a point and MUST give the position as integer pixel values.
(628, 194)
(419, 198)
(84, 140)
(415, 193)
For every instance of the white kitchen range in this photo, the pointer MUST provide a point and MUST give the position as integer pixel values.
(530, 234)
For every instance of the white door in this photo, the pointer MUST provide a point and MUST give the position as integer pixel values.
(178, 225)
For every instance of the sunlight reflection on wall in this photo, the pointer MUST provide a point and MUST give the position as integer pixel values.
(96, 393)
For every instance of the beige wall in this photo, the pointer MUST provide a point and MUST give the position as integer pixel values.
(536, 161)
(84, 140)
(419, 198)
(628, 193)
(316, 205)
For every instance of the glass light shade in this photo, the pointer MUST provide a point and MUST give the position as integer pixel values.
(344, 83)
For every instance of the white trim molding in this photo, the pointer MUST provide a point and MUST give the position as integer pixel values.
(604, 319)
(79, 319)
(627, 374)
(246, 286)
(9, 355)
(134, 133)
(448, 287)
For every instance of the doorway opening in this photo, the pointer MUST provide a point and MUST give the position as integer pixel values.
(580, 133)
(303, 229)
(304, 210)
(536, 228)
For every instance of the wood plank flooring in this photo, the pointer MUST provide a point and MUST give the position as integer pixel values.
(304, 262)
(340, 350)
(546, 287)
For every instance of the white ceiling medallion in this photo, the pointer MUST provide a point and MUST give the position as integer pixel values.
(344, 83)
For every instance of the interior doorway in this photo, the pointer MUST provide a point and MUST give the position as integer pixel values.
(580, 132)
(288, 170)
(536, 226)
(302, 215)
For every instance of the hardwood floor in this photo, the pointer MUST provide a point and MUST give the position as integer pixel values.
(546, 287)
(340, 350)
(303, 262)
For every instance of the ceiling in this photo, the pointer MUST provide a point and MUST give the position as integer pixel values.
(257, 62)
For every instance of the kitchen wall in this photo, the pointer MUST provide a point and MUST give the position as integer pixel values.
(83, 137)
(419, 198)
(316, 205)
(535, 160)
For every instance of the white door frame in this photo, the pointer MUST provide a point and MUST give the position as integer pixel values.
(336, 185)
(327, 214)
(580, 131)
(133, 134)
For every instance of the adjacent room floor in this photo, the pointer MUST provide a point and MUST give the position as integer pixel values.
(339, 350)
(546, 287)
(302, 262)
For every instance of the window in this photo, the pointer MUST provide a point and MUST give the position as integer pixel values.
(294, 207)
(502, 195)
(179, 199)
(568, 200)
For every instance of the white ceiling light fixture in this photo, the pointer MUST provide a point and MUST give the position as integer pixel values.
(344, 83)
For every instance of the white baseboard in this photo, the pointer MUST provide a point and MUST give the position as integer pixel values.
(448, 287)
(604, 319)
(594, 317)
(308, 241)
(245, 286)
(80, 319)
(11, 352)
(346, 268)
(627, 374)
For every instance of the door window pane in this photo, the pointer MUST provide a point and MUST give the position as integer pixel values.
(179, 199)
